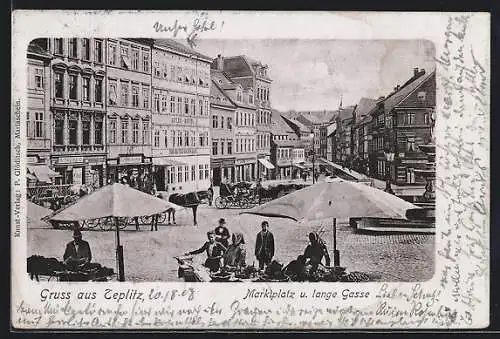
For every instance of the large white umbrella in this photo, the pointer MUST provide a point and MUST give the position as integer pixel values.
(337, 198)
(115, 201)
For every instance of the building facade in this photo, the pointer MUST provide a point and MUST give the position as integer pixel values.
(38, 121)
(288, 156)
(222, 116)
(77, 104)
(180, 115)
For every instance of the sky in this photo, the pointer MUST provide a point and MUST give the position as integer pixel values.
(314, 74)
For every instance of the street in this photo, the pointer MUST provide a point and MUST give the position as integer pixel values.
(149, 256)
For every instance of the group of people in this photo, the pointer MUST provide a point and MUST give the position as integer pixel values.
(221, 253)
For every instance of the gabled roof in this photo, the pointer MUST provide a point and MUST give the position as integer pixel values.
(223, 81)
(364, 107)
(216, 92)
(240, 65)
(301, 126)
(278, 125)
(346, 113)
(177, 46)
(394, 99)
(318, 117)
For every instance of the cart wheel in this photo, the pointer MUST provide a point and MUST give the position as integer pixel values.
(106, 224)
(243, 203)
(162, 217)
(146, 219)
(221, 202)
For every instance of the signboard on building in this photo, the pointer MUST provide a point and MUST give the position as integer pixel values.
(78, 175)
(131, 160)
(70, 160)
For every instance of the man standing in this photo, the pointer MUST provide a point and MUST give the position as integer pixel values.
(77, 252)
(222, 233)
(214, 250)
(264, 246)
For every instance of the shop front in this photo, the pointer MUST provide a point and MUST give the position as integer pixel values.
(133, 170)
(80, 170)
(265, 167)
(223, 170)
(245, 169)
(162, 172)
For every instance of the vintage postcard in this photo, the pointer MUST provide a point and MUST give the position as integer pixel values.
(211, 170)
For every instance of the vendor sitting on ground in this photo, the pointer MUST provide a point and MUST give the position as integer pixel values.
(316, 250)
(296, 269)
(77, 252)
(236, 252)
(215, 251)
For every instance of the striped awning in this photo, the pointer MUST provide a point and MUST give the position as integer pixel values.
(266, 163)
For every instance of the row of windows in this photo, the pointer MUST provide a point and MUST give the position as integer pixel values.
(187, 75)
(128, 131)
(219, 123)
(179, 138)
(263, 117)
(409, 118)
(164, 103)
(129, 56)
(131, 94)
(245, 118)
(72, 130)
(35, 125)
(263, 93)
(226, 147)
(263, 140)
(77, 86)
(179, 174)
(244, 145)
(79, 48)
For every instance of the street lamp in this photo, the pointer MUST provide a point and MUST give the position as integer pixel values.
(389, 158)
(312, 136)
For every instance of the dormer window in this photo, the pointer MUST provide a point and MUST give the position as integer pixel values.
(250, 98)
(421, 96)
(238, 96)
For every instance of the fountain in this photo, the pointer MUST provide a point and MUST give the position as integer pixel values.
(427, 212)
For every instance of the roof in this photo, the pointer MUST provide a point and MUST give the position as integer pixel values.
(34, 48)
(223, 81)
(289, 143)
(301, 126)
(331, 129)
(278, 124)
(318, 117)
(364, 107)
(175, 45)
(395, 98)
(240, 65)
(219, 97)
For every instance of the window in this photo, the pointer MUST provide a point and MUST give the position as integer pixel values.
(72, 87)
(238, 96)
(145, 97)
(237, 120)
(193, 138)
(201, 140)
(38, 78)
(124, 93)
(250, 98)
(172, 104)
(135, 59)
(410, 144)
(193, 172)
(112, 54)
(156, 68)
(229, 147)
(179, 173)
(98, 51)
(222, 147)
(164, 101)
(112, 131)
(200, 170)
(135, 132)
(207, 171)
(179, 138)
(124, 138)
(193, 106)
(186, 173)
(172, 175)
(58, 46)
(186, 138)
(409, 118)
(135, 96)
(58, 84)
(86, 132)
(145, 133)
(39, 126)
(98, 90)
(156, 138)
(421, 96)
(215, 121)
(426, 118)
(186, 106)
(245, 121)
(125, 61)
(86, 49)
(201, 107)
(214, 147)
(58, 131)
(145, 61)
(113, 93)
(173, 139)
(73, 125)
(221, 122)
(157, 102)
(229, 123)
(85, 89)
(72, 48)
(98, 132)
(179, 105)
(165, 138)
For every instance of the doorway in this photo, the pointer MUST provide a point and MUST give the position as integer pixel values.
(216, 172)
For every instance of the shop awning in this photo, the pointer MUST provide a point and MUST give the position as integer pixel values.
(266, 163)
(167, 162)
(299, 166)
(43, 173)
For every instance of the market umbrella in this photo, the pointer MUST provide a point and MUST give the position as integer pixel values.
(336, 198)
(115, 201)
(35, 212)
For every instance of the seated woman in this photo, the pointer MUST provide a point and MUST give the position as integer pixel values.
(316, 251)
(236, 252)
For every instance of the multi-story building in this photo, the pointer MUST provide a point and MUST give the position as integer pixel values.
(343, 135)
(180, 115)
(253, 74)
(244, 125)
(360, 134)
(400, 123)
(317, 122)
(223, 113)
(280, 130)
(288, 156)
(128, 73)
(77, 103)
(38, 122)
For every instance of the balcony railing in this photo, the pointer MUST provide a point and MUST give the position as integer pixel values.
(77, 148)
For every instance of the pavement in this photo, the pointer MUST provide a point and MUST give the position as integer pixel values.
(149, 256)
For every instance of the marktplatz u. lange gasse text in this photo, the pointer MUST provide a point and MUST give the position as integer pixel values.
(271, 294)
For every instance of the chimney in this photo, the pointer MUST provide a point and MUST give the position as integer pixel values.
(415, 71)
(422, 71)
(220, 62)
(397, 88)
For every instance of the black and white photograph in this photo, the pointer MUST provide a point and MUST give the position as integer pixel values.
(268, 160)
(314, 170)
